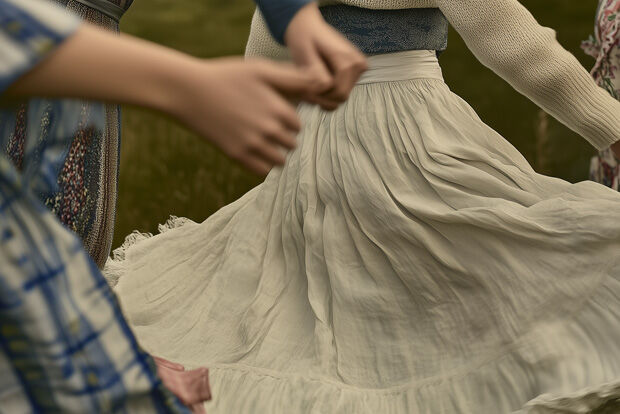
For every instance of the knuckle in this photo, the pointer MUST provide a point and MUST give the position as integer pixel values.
(272, 130)
(320, 79)
(342, 65)
(288, 137)
(295, 126)
(291, 115)
(361, 65)
(284, 109)
(279, 159)
(252, 144)
(341, 93)
(236, 154)
(324, 77)
(359, 57)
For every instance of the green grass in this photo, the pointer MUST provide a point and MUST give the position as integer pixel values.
(166, 170)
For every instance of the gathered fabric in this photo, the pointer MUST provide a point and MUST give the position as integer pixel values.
(406, 259)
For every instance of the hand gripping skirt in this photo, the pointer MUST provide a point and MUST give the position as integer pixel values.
(407, 259)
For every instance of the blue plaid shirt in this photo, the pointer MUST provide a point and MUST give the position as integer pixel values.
(64, 344)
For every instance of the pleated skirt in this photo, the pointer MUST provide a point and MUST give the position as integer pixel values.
(407, 259)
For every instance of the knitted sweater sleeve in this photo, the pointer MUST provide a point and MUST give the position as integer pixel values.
(505, 37)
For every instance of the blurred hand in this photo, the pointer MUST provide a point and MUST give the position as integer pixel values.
(334, 63)
(190, 387)
(616, 149)
(242, 107)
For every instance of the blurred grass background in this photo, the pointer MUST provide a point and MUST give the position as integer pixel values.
(165, 170)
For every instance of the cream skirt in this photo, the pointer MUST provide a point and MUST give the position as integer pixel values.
(407, 259)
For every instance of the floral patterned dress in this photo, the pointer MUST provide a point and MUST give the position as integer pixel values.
(87, 182)
(604, 46)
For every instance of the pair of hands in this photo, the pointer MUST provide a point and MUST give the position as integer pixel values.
(244, 107)
(246, 110)
(190, 387)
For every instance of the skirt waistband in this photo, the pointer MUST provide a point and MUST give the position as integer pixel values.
(412, 64)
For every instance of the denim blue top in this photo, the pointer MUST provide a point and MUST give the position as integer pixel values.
(279, 13)
(386, 31)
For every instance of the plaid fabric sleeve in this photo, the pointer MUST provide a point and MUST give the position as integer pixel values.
(64, 344)
(29, 30)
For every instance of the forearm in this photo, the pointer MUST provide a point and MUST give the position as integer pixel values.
(279, 13)
(94, 64)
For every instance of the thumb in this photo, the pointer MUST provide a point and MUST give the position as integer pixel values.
(321, 77)
(309, 58)
(316, 67)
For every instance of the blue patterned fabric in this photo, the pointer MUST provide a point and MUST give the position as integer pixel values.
(85, 200)
(64, 344)
(388, 31)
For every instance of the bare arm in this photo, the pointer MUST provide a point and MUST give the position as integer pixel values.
(239, 106)
(87, 65)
